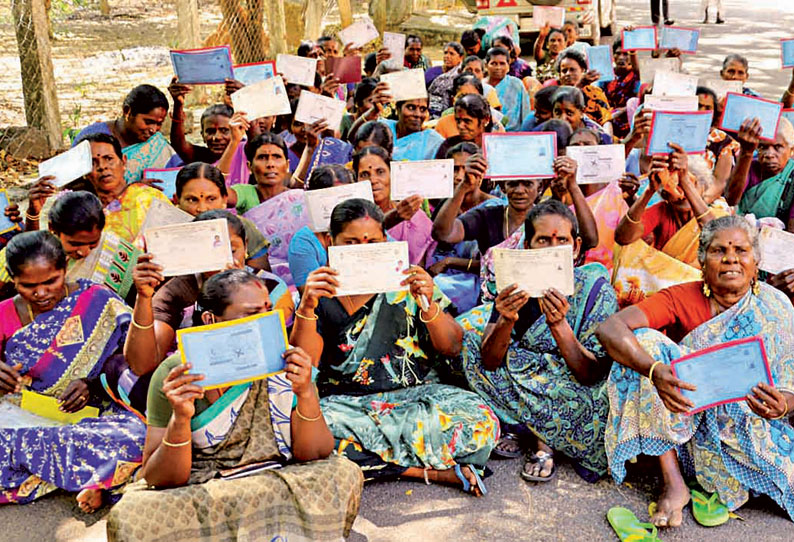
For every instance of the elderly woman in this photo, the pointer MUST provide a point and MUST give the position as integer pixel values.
(512, 94)
(539, 363)
(764, 185)
(378, 357)
(574, 72)
(194, 436)
(733, 448)
(625, 86)
(411, 140)
(138, 132)
(63, 340)
(673, 224)
(736, 68)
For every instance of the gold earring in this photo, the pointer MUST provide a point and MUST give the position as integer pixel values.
(756, 286)
(706, 289)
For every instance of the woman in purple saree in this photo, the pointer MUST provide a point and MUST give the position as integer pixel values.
(63, 340)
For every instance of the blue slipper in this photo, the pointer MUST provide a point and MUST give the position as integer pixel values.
(466, 483)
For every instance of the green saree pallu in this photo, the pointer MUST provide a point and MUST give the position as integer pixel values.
(772, 196)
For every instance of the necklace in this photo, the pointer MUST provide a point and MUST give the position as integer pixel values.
(505, 224)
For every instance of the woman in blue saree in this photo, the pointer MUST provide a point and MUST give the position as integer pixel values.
(512, 93)
(538, 364)
(63, 340)
(138, 131)
(411, 141)
(733, 448)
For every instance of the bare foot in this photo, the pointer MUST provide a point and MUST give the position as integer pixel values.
(90, 500)
(447, 476)
(669, 509)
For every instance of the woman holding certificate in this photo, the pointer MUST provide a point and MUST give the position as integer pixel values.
(573, 70)
(732, 448)
(138, 132)
(215, 460)
(538, 364)
(405, 220)
(62, 340)
(378, 356)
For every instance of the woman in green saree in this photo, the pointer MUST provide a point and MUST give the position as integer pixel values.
(196, 439)
(764, 186)
(378, 357)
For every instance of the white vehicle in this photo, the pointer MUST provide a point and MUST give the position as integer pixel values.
(595, 17)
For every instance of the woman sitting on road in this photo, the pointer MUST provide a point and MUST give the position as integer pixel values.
(731, 449)
(539, 365)
(377, 356)
(194, 435)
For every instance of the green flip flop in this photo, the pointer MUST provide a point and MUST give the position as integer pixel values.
(628, 527)
(708, 509)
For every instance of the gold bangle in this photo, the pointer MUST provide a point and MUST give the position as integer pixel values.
(785, 412)
(788, 92)
(177, 445)
(139, 326)
(630, 219)
(438, 312)
(32, 218)
(304, 418)
(299, 315)
(707, 211)
(468, 266)
(650, 373)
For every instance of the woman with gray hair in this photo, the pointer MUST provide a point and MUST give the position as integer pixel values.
(764, 186)
(673, 224)
(732, 448)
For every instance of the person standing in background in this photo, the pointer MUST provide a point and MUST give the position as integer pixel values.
(656, 7)
(706, 4)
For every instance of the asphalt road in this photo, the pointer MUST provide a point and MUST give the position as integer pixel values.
(566, 508)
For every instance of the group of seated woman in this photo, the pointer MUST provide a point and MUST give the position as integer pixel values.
(426, 383)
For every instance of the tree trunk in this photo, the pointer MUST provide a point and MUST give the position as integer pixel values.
(345, 13)
(38, 82)
(314, 19)
(277, 27)
(104, 8)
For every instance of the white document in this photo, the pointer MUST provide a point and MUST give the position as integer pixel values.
(406, 85)
(263, 99)
(297, 69)
(16, 417)
(431, 179)
(195, 247)
(161, 213)
(369, 269)
(536, 270)
(313, 107)
(554, 16)
(677, 104)
(395, 43)
(598, 163)
(320, 203)
(674, 84)
(359, 33)
(69, 165)
(777, 250)
(721, 87)
(649, 66)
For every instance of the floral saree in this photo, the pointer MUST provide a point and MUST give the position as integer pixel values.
(240, 486)
(728, 448)
(381, 394)
(535, 387)
(73, 340)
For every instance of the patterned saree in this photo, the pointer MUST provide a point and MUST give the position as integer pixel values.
(249, 426)
(728, 448)
(74, 340)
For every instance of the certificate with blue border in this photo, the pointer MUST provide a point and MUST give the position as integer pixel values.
(725, 373)
(205, 66)
(237, 351)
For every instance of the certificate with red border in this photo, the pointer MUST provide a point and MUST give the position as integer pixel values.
(641, 38)
(739, 107)
(787, 52)
(253, 72)
(520, 155)
(725, 373)
(204, 66)
(677, 37)
(689, 129)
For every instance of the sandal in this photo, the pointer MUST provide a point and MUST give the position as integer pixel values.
(539, 458)
(708, 509)
(466, 484)
(628, 527)
(508, 439)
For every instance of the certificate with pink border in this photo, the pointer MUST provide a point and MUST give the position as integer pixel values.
(520, 155)
(725, 373)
